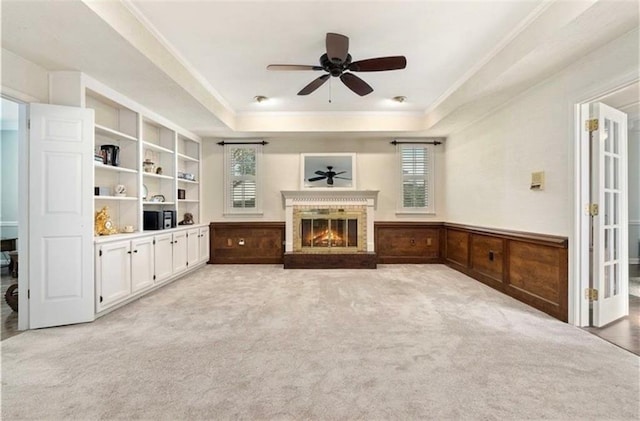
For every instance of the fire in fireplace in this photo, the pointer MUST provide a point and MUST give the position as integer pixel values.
(329, 228)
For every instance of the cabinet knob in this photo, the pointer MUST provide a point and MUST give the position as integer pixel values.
(135, 251)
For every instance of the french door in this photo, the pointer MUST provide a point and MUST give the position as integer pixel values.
(609, 212)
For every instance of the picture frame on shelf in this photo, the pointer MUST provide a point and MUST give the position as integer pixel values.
(328, 171)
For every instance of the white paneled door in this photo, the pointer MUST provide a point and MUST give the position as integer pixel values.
(60, 215)
(610, 260)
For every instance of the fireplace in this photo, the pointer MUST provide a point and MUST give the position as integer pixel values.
(329, 223)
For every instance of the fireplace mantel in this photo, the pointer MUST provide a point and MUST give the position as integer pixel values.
(305, 197)
(329, 198)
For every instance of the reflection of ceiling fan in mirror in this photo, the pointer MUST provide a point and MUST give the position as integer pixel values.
(337, 63)
(328, 175)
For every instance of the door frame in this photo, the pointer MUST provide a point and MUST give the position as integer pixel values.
(579, 262)
(23, 200)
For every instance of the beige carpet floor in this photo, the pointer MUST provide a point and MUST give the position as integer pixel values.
(259, 342)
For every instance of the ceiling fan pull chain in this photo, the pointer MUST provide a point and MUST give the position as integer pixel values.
(330, 91)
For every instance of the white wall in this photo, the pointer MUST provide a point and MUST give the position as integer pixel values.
(634, 193)
(24, 80)
(488, 165)
(9, 183)
(375, 165)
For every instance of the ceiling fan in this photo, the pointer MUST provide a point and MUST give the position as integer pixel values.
(329, 175)
(337, 63)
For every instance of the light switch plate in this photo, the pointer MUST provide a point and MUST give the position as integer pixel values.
(537, 180)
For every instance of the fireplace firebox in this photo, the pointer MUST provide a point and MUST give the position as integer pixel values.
(326, 229)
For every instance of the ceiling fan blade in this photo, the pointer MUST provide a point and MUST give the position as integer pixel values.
(379, 64)
(343, 178)
(292, 67)
(356, 84)
(341, 172)
(337, 47)
(315, 84)
(321, 173)
(317, 178)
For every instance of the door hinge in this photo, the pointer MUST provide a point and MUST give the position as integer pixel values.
(28, 294)
(591, 294)
(101, 298)
(591, 125)
(154, 277)
(187, 263)
(100, 253)
(29, 124)
(594, 209)
(154, 241)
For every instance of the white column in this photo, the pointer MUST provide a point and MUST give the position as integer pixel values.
(288, 221)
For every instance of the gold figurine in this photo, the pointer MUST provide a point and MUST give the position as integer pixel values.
(103, 224)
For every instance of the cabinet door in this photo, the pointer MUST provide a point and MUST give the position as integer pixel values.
(142, 264)
(163, 257)
(179, 251)
(113, 273)
(193, 247)
(204, 244)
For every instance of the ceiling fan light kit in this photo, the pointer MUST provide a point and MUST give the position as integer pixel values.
(399, 98)
(260, 98)
(337, 62)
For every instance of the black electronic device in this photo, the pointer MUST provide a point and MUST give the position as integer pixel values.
(153, 220)
(169, 219)
(111, 154)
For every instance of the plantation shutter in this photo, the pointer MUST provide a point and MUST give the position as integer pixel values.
(416, 162)
(242, 177)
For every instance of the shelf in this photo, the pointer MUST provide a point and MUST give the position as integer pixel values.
(98, 165)
(187, 158)
(158, 203)
(156, 147)
(182, 180)
(115, 197)
(103, 130)
(152, 175)
(187, 201)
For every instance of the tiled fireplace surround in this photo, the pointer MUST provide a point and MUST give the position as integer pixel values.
(358, 203)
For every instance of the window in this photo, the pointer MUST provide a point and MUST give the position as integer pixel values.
(416, 166)
(242, 192)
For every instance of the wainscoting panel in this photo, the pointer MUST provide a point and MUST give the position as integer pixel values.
(408, 242)
(487, 257)
(532, 268)
(247, 242)
(457, 249)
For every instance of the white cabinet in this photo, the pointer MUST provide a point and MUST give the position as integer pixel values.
(193, 247)
(126, 269)
(180, 251)
(142, 264)
(163, 257)
(123, 268)
(113, 273)
(204, 244)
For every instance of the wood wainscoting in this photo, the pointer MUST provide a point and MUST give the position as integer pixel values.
(246, 242)
(408, 242)
(531, 268)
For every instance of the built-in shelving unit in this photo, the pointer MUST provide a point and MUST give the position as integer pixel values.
(188, 176)
(154, 156)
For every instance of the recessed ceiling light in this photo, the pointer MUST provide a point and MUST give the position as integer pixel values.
(399, 98)
(260, 98)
